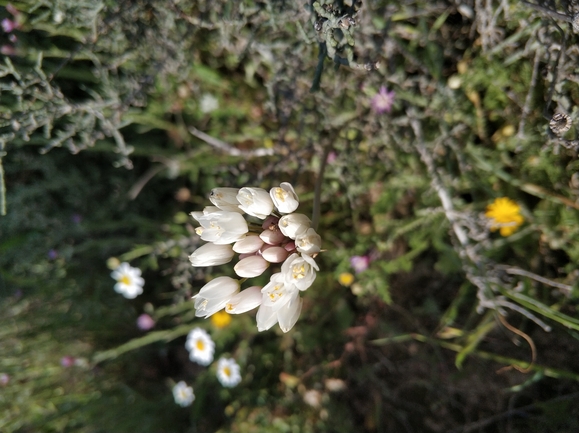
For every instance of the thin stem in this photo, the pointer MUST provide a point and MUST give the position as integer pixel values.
(318, 189)
(226, 147)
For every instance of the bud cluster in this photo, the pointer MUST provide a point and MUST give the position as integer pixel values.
(283, 237)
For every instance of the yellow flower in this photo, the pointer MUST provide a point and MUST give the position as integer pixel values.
(504, 214)
(346, 279)
(221, 319)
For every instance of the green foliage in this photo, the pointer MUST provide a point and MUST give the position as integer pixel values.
(159, 102)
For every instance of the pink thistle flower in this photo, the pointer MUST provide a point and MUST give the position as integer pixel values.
(359, 263)
(383, 100)
(67, 361)
(8, 25)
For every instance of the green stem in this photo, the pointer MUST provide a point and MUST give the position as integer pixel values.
(153, 337)
(547, 371)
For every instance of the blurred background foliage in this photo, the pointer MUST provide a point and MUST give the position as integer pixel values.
(118, 117)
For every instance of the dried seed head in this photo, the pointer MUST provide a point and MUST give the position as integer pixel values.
(575, 23)
(560, 123)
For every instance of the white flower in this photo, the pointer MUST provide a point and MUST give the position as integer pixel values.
(208, 103)
(251, 266)
(200, 346)
(255, 202)
(284, 198)
(294, 224)
(228, 372)
(299, 270)
(277, 292)
(287, 315)
(129, 280)
(309, 242)
(313, 398)
(221, 227)
(245, 300)
(248, 245)
(225, 199)
(290, 313)
(211, 255)
(183, 394)
(214, 295)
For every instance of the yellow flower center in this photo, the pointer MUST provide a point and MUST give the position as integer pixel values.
(227, 371)
(280, 194)
(200, 345)
(298, 272)
(125, 280)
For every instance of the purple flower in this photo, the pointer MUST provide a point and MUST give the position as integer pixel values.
(145, 322)
(8, 25)
(359, 263)
(4, 379)
(383, 100)
(76, 218)
(52, 254)
(332, 156)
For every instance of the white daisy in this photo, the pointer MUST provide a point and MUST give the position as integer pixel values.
(200, 346)
(228, 372)
(183, 394)
(129, 280)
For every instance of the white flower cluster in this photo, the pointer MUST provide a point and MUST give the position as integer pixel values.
(201, 349)
(284, 237)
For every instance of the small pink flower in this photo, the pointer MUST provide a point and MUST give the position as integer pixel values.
(359, 263)
(67, 361)
(332, 156)
(8, 25)
(383, 100)
(145, 322)
(4, 379)
(7, 50)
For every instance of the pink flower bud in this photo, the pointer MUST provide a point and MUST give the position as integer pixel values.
(274, 254)
(145, 322)
(272, 237)
(269, 222)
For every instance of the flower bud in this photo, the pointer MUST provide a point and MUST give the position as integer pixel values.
(211, 255)
(272, 237)
(274, 254)
(251, 267)
(270, 222)
(250, 244)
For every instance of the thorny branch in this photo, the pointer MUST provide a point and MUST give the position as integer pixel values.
(479, 271)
